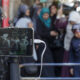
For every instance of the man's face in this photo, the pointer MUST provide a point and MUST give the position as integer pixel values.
(37, 2)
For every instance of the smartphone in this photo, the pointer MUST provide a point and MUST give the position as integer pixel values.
(16, 42)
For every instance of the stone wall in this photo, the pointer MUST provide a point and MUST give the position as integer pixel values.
(14, 4)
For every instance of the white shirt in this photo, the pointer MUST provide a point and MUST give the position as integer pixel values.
(23, 23)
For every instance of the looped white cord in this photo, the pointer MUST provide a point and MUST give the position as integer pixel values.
(37, 41)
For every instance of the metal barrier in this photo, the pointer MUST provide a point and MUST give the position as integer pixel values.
(51, 78)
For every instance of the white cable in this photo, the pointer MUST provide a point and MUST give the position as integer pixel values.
(37, 41)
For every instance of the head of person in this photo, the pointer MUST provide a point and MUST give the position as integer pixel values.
(44, 16)
(37, 2)
(76, 4)
(74, 18)
(39, 8)
(76, 30)
(54, 8)
(24, 10)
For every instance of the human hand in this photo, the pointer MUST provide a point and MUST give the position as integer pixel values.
(30, 25)
(60, 11)
(53, 33)
(20, 66)
(72, 71)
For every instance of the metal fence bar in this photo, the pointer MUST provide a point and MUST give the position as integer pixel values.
(51, 78)
(52, 64)
(46, 78)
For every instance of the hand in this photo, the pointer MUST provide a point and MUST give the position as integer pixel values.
(37, 46)
(53, 33)
(20, 66)
(60, 11)
(72, 71)
(30, 25)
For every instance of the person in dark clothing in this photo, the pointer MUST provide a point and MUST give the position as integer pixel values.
(47, 71)
(34, 7)
(46, 30)
(36, 14)
(32, 70)
(44, 25)
(53, 12)
(59, 21)
(74, 56)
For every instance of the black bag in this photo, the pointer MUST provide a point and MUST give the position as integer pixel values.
(58, 42)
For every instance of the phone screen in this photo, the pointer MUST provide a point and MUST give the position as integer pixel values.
(16, 42)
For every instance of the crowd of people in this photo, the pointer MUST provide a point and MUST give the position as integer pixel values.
(60, 31)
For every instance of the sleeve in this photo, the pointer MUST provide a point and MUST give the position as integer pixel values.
(18, 24)
(41, 31)
(61, 24)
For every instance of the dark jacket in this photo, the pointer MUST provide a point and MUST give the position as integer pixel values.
(44, 32)
(75, 50)
(53, 19)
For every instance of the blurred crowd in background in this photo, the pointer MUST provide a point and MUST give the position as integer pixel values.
(59, 26)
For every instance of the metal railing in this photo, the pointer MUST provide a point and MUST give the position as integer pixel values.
(51, 78)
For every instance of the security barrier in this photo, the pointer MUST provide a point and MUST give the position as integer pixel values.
(51, 78)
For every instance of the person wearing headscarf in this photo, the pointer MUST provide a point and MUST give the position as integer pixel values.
(46, 30)
(24, 19)
(74, 18)
(25, 22)
(44, 25)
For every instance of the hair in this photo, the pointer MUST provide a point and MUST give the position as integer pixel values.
(40, 4)
(34, 0)
(54, 4)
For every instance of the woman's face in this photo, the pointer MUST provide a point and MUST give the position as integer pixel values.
(37, 1)
(53, 10)
(45, 16)
(28, 12)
